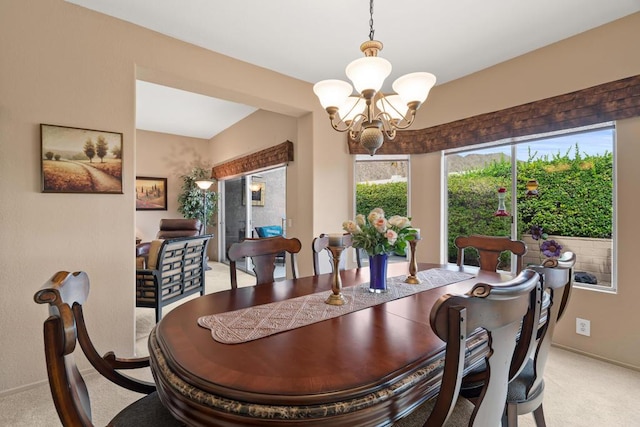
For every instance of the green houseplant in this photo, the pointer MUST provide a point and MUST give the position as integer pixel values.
(192, 200)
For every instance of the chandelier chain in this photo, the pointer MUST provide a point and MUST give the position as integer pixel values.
(371, 30)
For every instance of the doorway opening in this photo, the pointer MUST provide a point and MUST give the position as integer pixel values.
(250, 201)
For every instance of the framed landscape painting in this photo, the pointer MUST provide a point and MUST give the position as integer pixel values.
(151, 194)
(80, 160)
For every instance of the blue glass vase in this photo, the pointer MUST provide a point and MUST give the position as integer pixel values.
(378, 273)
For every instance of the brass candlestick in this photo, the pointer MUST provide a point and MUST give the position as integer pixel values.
(412, 279)
(336, 298)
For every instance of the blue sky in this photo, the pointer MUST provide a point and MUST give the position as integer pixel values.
(592, 142)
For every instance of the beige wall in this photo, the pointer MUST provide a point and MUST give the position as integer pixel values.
(604, 54)
(166, 156)
(260, 130)
(62, 64)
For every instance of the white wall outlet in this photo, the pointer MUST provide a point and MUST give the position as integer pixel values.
(583, 327)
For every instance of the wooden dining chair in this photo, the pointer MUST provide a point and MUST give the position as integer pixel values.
(263, 254)
(498, 309)
(489, 249)
(526, 391)
(66, 293)
(320, 244)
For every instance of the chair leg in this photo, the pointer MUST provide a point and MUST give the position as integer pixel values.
(538, 415)
(512, 415)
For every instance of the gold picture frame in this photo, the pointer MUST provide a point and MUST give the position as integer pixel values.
(76, 160)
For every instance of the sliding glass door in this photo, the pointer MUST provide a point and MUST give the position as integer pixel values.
(250, 201)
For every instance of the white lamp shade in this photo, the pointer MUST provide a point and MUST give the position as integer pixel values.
(353, 106)
(414, 86)
(368, 72)
(204, 184)
(332, 93)
(394, 105)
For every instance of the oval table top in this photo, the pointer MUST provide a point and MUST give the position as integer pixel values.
(361, 368)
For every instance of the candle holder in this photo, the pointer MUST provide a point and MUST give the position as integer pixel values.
(412, 279)
(336, 298)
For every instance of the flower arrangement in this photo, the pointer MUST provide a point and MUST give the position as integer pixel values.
(378, 235)
(549, 248)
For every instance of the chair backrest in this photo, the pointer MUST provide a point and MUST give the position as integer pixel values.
(179, 227)
(263, 252)
(321, 243)
(66, 293)
(499, 309)
(557, 277)
(489, 249)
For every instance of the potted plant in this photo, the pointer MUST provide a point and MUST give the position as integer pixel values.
(192, 201)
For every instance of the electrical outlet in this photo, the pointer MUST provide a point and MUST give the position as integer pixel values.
(583, 327)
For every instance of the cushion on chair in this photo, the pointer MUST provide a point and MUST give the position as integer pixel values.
(147, 411)
(518, 386)
(154, 249)
(171, 228)
(269, 231)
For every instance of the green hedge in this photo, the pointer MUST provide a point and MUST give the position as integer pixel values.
(575, 198)
(391, 197)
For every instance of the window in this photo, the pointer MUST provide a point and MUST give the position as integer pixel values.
(382, 181)
(574, 204)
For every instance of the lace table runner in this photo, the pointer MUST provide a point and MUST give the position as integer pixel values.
(259, 321)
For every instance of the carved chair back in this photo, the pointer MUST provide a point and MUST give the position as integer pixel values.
(526, 391)
(489, 249)
(263, 254)
(499, 310)
(321, 243)
(65, 327)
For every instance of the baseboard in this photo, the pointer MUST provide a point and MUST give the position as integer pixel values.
(595, 356)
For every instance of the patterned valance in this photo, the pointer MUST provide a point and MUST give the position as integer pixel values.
(606, 102)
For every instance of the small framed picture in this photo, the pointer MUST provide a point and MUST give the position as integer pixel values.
(151, 194)
(257, 193)
(75, 160)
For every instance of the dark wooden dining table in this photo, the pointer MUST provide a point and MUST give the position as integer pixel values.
(365, 368)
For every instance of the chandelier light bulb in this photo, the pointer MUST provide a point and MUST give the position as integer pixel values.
(414, 86)
(332, 93)
(368, 73)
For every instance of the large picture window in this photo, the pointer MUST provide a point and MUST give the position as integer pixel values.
(562, 183)
(382, 181)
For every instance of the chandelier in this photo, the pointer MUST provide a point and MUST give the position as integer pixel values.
(371, 115)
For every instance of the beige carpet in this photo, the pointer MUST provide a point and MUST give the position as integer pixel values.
(580, 392)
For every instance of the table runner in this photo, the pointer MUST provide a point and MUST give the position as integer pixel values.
(260, 321)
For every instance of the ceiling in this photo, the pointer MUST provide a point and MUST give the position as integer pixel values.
(450, 39)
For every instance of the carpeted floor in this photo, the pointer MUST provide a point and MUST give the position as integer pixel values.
(580, 391)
